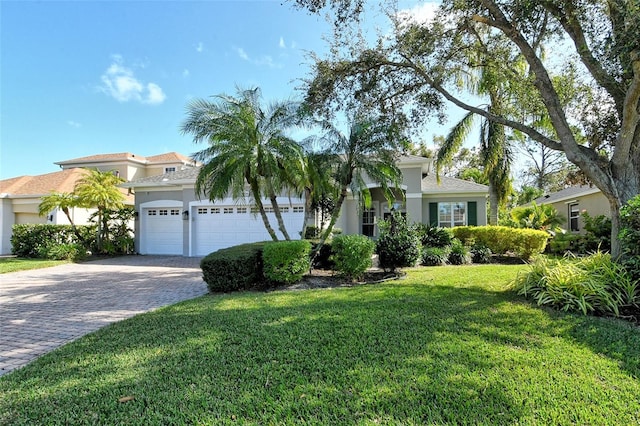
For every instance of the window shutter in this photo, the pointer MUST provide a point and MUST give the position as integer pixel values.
(472, 213)
(433, 214)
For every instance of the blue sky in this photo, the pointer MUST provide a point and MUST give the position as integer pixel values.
(84, 78)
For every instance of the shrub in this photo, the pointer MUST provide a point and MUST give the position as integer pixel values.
(398, 245)
(542, 217)
(480, 254)
(311, 232)
(593, 284)
(65, 251)
(563, 242)
(234, 268)
(459, 254)
(597, 234)
(31, 240)
(433, 236)
(435, 256)
(629, 236)
(501, 239)
(286, 262)
(352, 254)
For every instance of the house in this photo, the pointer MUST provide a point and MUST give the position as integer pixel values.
(172, 219)
(21, 196)
(572, 201)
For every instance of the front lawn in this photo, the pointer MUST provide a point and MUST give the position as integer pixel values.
(14, 264)
(446, 345)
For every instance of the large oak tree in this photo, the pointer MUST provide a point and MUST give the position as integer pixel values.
(411, 75)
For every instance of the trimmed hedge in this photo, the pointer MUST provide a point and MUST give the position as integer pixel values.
(352, 254)
(501, 239)
(285, 262)
(234, 268)
(32, 240)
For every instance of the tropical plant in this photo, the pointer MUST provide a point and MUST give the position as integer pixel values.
(247, 146)
(63, 201)
(398, 245)
(459, 254)
(99, 190)
(368, 152)
(435, 256)
(543, 217)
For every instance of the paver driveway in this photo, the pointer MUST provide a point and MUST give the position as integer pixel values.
(46, 308)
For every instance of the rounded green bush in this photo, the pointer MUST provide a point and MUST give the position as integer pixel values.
(286, 262)
(352, 254)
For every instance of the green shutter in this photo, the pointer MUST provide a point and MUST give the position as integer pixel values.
(433, 214)
(472, 213)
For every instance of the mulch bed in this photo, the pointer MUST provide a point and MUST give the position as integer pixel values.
(320, 278)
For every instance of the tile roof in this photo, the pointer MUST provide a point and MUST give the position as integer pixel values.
(170, 157)
(188, 174)
(450, 185)
(570, 192)
(62, 181)
(119, 156)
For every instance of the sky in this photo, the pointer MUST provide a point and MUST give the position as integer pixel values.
(80, 78)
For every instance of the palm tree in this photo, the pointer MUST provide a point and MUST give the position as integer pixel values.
(99, 190)
(247, 145)
(63, 201)
(368, 151)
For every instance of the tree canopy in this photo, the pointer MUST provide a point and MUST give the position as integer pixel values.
(572, 63)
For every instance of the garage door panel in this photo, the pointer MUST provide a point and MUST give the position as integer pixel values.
(162, 231)
(232, 225)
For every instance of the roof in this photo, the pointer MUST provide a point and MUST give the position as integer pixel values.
(169, 157)
(567, 194)
(450, 185)
(186, 175)
(62, 181)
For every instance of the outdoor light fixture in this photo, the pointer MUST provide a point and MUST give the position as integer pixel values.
(185, 215)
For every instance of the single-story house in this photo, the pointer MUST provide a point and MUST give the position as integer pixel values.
(173, 219)
(21, 196)
(572, 201)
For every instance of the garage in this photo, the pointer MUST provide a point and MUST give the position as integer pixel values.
(220, 226)
(162, 229)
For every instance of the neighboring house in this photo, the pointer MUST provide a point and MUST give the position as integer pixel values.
(21, 196)
(572, 201)
(172, 219)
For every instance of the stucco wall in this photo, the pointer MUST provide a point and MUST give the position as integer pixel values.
(595, 204)
(6, 222)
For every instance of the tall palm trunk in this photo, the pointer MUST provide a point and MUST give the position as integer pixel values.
(276, 210)
(256, 196)
(66, 212)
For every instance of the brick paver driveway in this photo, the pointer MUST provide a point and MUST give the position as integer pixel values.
(46, 308)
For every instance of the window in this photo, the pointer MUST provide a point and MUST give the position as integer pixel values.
(169, 169)
(268, 209)
(574, 215)
(175, 212)
(368, 222)
(242, 210)
(452, 214)
(163, 212)
(215, 210)
(202, 210)
(298, 209)
(227, 210)
(284, 210)
(152, 212)
(254, 210)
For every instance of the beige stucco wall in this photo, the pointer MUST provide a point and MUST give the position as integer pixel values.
(595, 204)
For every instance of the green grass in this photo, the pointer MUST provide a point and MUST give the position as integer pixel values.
(446, 345)
(14, 264)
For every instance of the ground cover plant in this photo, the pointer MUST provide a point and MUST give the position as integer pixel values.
(14, 264)
(446, 345)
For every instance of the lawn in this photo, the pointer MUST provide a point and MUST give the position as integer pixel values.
(13, 264)
(446, 345)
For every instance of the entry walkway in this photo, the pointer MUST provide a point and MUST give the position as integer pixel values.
(43, 309)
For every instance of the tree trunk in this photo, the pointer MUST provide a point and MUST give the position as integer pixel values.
(73, 225)
(276, 210)
(308, 213)
(493, 205)
(263, 214)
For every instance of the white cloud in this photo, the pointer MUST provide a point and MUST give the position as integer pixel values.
(199, 47)
(264, 60)
(74, 124)
(282, 44)
(420, 13)
(120, 83)
(242, 53)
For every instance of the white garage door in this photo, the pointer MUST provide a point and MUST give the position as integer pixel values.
(161, 231)
(216, 227)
